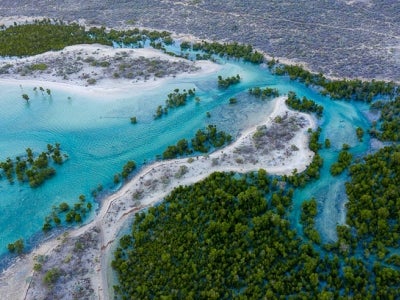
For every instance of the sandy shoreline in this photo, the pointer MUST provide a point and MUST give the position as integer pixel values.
(107, 86)
(151, 185)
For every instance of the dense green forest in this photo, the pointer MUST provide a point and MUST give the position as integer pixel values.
(228, 237)
(46, 35)
(308, 213)
(374, 200)
(354, 89)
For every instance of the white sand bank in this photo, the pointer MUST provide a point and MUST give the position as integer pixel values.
(80, 66)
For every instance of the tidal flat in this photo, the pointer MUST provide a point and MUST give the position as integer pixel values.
(94, 125)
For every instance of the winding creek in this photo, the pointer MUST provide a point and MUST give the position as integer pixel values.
(94, 130)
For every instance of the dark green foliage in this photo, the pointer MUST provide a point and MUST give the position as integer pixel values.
(224, 83)
(204, 139)
(185, 45)
(228, 238)
(344, 160)
(56, 220)
(232, 100)
(304, 105)
(202, 142)
(264, 93)
(78, 218)
(345, 147)
(327, 143)
(181, 148)
(46, 35)
(159, 112)
(38, 177)
(63, 206)
(340, 89)
(25, 97)
(55, 153)
(389, 122)
(314, 144)
(117, 178)
(373, 192)
(167, 39)
(199, 140)
(174, 99)
(128, 168)
(308, 214)
(31, 39)
(312, 171)
(71, 214)
(217, 237)
(34, 170)
(235, 50)
(394, 260)
(46, 227)
(359, 133)
(17, 247)
(359, 90)
(346, 242)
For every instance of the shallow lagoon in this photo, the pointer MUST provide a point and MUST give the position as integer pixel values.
(96, 133)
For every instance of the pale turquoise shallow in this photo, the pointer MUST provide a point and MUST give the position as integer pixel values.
(97, 136)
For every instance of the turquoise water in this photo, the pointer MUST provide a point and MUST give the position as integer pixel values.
(96, 133)
(339, 125)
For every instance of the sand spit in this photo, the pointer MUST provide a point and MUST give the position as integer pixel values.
(79, 257)
(100, 69)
